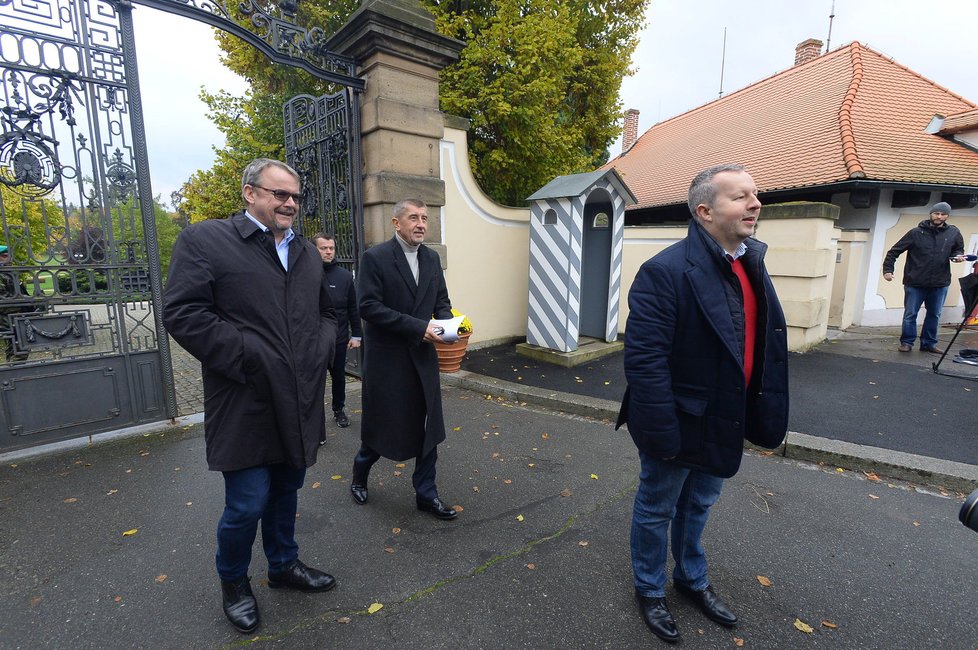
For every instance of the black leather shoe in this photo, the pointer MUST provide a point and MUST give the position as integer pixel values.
(341, 420)
(437, 508)
(359, 493)
(299, 576)
(710, 604)
(657, 616)
(240, 605)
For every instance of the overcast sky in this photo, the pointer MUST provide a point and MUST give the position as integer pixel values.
(678, 60)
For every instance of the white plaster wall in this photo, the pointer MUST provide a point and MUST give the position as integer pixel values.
(488, 248)
(883, 301)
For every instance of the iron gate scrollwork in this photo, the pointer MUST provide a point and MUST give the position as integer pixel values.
(322, 143)
(84, 346)
(82, 351)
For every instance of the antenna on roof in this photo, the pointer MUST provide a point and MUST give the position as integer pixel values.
(828, 41)
(723, 59)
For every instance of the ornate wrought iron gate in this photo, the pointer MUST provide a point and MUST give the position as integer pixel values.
(83, 338)
(322, 143)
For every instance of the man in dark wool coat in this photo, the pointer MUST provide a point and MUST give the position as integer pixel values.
(400, 288)
(246, 296)
(706, 365)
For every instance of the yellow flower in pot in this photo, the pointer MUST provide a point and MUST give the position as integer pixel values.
(450, 355)
(465, 327)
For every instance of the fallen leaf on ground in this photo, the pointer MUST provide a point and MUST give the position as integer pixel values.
(543, 435)
(871, 476)
(335, 477)
(519, 517)
(388, 549)
(111, 492)
(395, 530)
(456, 428)
(315, 486)
(457, 508)
(916, 523)
(531, 566)
(70, 500)
(35, 601)
(374, 608)
(401, 465)
(475, 488)
(594, 477)
(130, 532)
(508, 481)
(802, 626)
(738, 642)
(765, 581)
(189, 503)
(118, 599)
(531, 465)
(343, 620)
(397, 473)
(161, 578)
(829, 625)
(873, 496)
(582, 543)
(566, 492)
(839, 470)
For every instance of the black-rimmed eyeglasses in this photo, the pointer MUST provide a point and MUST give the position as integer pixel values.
(280, 195)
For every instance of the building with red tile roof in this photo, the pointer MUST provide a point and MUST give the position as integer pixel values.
(851, 127)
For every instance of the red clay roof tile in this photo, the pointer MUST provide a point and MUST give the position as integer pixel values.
(849, 114)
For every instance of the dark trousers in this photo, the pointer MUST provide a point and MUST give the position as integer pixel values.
(337, 376)
(423, 478)
(267, 493)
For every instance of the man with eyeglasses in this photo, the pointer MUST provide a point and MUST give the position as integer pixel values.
(247, 297)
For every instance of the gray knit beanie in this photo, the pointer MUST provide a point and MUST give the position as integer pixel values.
(941, 207)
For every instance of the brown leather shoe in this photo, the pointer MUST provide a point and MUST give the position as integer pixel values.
(905, 348)
(933, 349)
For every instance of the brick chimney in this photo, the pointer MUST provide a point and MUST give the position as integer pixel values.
(808, 51)
(630, 134)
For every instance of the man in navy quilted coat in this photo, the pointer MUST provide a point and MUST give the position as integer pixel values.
(706, 365)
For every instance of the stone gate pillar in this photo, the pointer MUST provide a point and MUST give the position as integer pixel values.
(399, 54)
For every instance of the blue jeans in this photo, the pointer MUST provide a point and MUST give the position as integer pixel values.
(423, 478)
(932, 298)
(266, 493)
(670, 494)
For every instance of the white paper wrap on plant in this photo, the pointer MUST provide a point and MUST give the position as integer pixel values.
(449, 327)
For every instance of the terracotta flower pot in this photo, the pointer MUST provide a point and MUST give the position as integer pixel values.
(450, 355)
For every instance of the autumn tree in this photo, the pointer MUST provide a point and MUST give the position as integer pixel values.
(34, 224)
(538, 79)
(252, 124)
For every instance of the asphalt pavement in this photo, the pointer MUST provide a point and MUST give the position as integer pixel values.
(111, 544)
